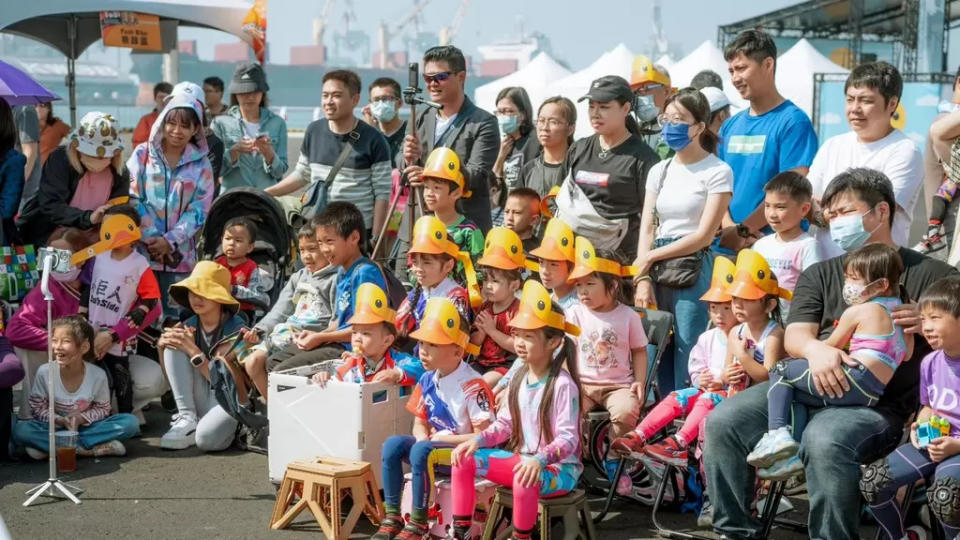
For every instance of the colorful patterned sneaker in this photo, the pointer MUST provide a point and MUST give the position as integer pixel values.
(413, 531)
(630, 445)
(773, 447)
(390, 527)
(668, 451)
(782, 469)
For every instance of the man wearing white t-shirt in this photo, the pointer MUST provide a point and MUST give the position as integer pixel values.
(872, 95)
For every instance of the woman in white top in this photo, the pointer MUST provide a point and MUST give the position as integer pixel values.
(686, 196)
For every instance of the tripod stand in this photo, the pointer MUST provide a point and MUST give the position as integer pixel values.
(53, 487)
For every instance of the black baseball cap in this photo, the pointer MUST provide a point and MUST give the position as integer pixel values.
(249, 78)
(609, 88)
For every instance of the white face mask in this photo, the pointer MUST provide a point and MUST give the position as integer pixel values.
(853, 293)
(70, 275)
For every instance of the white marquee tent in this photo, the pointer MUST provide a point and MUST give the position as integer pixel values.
(795, 69)
(536, 77)
(618, 61)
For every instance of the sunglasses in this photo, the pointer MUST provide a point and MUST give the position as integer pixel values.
(438, 77)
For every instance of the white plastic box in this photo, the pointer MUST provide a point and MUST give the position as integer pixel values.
(344, 420)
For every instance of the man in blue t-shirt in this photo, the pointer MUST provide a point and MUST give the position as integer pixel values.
(771, 136)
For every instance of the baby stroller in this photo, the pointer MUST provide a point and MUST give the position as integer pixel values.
(275, 246)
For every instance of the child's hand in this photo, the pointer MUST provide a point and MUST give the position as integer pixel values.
(913, 435)
(389, 376)
(102, 343)
(705, 379)
(73, 421)
(320, 378)
(485, 322)
(464, 450)
(734, 374)
(528, 471)
(942, 448)
(252, 336)
(637, 389)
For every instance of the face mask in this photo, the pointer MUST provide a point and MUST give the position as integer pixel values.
(646, 111)
(508, 124)
(853, 293)
(677, 136)
(383, 111)
(848, 233)
(70, 275)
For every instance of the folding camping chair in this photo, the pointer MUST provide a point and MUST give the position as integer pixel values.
(658, 325)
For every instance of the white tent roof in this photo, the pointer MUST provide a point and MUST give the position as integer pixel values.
(706, 56)
(535, 77)
(618, 61)
(666, 61)
(795, 69)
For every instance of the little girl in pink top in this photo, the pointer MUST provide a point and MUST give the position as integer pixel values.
(542, 455)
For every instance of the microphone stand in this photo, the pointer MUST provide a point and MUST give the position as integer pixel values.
(53, 487)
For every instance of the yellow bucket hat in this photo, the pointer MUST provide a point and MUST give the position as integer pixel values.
(536, 311)
(723, 271)
(430, 237)
(557, 243)
(208, 280)
(753, 279)
(444, 164)
(441, 326)
(587, 262)
(117, 230)
(504, 250)
(372, 306)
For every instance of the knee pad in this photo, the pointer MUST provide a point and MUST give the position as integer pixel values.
(876, 479)
(944, 499)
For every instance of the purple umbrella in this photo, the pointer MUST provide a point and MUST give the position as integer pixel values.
(18, 88)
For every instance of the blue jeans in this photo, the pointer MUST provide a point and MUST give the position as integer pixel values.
(904, 466)
(836, 441)
(166, 279)
(119, 427)
(401, 449)
(690, 320)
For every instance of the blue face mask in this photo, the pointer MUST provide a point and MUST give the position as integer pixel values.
(677, 136)
(646, 111)
(508, 124)
(848, 232)
(383, 111)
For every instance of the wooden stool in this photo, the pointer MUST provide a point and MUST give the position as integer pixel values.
(572, 507)
(322, 483)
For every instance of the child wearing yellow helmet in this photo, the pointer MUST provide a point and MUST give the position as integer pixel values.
(556, 259)
(450, 404)
(542, 454)
(443, 186)
(707, 360)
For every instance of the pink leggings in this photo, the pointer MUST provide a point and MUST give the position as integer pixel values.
(497, 466)
(692, 402)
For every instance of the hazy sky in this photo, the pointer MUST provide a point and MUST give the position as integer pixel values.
(578, 31)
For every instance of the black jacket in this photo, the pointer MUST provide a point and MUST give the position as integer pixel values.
(50, 206)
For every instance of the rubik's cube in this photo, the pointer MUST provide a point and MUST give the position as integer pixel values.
(934, 428)
(18, 272)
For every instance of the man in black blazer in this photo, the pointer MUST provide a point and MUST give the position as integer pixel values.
(460, 125)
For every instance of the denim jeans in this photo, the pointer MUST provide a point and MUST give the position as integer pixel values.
(837, 440)
(690, 320)
(193, 395)
(33, 433)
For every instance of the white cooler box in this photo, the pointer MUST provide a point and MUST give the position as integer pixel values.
(344, 420)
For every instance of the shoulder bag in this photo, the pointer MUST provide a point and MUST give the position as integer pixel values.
(315, 198)
(680, 272)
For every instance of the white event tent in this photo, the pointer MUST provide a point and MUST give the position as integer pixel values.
(536, 77)
(795, 70)
(618, 61)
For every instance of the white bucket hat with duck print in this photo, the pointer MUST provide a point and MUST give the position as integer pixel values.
(97, 135)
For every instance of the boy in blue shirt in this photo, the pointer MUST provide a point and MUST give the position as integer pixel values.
(340, 233)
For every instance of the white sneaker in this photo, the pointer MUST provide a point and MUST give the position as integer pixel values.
(776, 445)
(109, 448)
(35, 453)
(705, 519)
(181, 434)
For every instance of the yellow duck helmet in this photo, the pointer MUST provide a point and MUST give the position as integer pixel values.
(441, 326)
(587, 262)
(557, 243)
(644, 72)
(371, 306)
(117, 230)
(723, 272)
(444, 164)
(753, 279)
(430, 236)
(536, 311)
(504, 250)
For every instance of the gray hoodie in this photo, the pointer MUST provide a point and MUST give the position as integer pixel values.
(306, 301)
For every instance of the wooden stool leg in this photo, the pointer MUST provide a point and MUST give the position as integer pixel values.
(292, 513)
(493, 518)
(335, 491)
(371, 499)
(314, 497)
(587, 517)
(283, 499)
(357, 492)
(544, 519)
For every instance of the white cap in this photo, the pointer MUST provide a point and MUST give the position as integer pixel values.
(715, 97)
(187, 88)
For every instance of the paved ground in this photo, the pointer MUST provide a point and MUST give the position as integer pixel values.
(153, 494)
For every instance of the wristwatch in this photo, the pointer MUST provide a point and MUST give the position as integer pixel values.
(197, 359)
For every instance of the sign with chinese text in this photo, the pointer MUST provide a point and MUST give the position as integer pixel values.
(130, 30)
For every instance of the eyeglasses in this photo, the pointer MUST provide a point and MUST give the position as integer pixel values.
(663, 120)
(378, 99)
(438, 77)
(550, 122)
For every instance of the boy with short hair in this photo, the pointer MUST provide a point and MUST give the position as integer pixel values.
(373, 359)
(443, 186)
(305, 303)
(249, 283)
(450, 404)
(521, 213)
(122, 298)
(341, 234)
(789, 250)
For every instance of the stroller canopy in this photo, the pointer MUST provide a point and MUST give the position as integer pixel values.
(262, 209)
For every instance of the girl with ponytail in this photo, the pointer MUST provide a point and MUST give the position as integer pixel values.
(542, 454)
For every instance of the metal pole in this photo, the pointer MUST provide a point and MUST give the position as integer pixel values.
(72, 68)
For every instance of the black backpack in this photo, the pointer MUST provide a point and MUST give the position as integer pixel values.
(396, 293)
